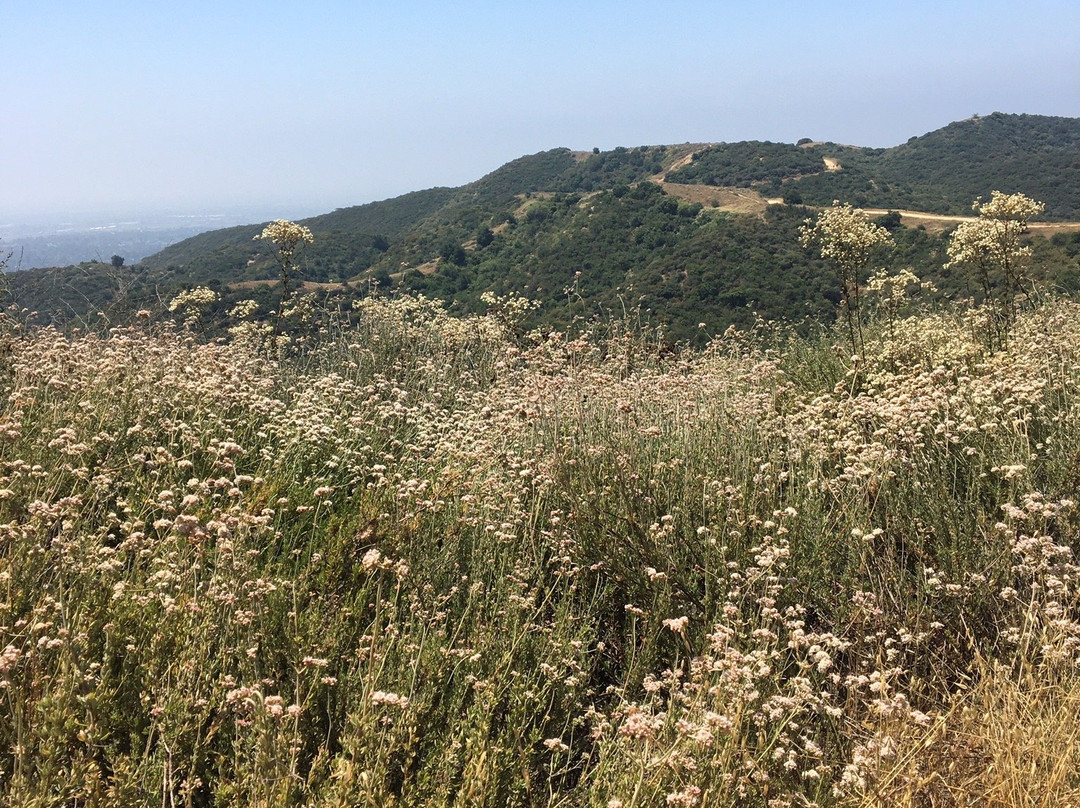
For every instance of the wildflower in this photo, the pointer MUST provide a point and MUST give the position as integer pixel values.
(392, 699)
(8, 657)
(285, 235)
(686, 798)
(846, 237)
(275, 706)
(193, 299)
(640, 725)
(677, 624)
(244, 308)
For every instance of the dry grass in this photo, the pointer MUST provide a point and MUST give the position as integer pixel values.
(1011, 741)
(733, 200)
(302, 286)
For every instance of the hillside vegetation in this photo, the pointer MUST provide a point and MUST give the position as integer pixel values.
(940, 172)
(428, 561)
(673, 235)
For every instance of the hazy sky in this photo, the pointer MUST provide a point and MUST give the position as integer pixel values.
(302, 107)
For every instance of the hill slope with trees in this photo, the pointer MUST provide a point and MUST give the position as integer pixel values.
(939, 172)
(636, 230)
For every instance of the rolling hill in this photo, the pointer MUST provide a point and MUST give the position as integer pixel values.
(676, 235)
(939, 172)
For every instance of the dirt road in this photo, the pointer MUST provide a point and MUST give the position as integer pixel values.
(936, 222)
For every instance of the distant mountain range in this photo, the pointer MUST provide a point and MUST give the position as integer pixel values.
(678, 235)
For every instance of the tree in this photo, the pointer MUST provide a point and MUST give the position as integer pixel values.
(117, 261)
(848, 239)
(453, 253)
(989, 247)
(890, 221)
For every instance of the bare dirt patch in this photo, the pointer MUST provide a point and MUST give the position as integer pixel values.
(832, 164)
(303, 286)
(733, 200)
(677, 157)
(426, 268)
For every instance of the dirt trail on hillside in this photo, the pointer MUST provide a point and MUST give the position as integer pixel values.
(745, 200)
(941, 221)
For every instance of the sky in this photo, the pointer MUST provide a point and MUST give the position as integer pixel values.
(117, 108)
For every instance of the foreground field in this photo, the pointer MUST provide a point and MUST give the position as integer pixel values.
(436, 563)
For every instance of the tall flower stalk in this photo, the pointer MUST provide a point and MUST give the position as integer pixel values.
(847, 238)
(989, 246)
(287, 237)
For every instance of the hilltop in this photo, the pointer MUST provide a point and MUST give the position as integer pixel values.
(940, 172)
(679, 234)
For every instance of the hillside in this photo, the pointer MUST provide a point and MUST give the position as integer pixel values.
(231, 248)
(940, 172)
(679, 235)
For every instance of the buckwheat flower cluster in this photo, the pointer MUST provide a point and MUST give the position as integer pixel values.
(196, 298)
(286, 236)
(390, 699)
(989, 247)
(994, 236)
(844, 235)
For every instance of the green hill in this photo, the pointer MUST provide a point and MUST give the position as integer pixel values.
(646, 230)
(940, 172)
(230, 249)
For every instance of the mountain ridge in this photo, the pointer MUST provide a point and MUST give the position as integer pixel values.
(777, 169)
(683, 233)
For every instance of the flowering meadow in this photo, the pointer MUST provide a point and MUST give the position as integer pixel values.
(431, 561)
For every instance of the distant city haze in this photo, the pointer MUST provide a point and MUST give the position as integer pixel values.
(116, 112)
